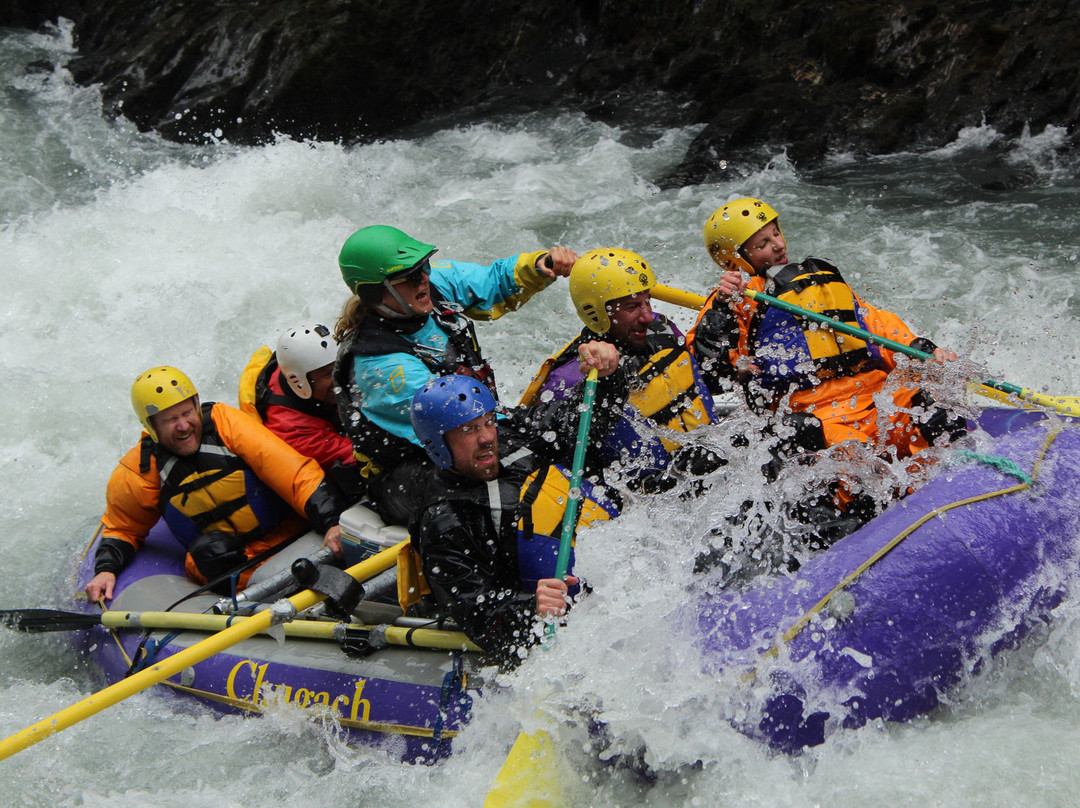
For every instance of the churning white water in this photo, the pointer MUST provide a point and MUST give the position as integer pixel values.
(119, 251)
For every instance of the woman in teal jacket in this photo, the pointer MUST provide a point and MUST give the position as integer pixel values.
(409, 320)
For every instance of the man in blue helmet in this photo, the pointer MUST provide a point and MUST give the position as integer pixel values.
(410, 318)
(488, 531)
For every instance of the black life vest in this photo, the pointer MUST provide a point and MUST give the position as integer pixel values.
(377, 336)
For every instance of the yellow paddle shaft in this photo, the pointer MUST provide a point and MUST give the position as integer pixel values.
(304, 629)
(677, 297)
(172, 665)
(1066, 405)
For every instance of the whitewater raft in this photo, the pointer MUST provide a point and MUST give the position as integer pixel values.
(381, 678)
(881, 626)
(891, 619)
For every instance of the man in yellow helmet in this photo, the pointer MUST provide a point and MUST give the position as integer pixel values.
(829, 380)
(610, 288)
(227, 487)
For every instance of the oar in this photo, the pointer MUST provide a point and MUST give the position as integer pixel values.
(677, 297)
(1067, 406)
(42, 620)
(169, 666)
(569, 522)
(528, 776)
(1001, 391)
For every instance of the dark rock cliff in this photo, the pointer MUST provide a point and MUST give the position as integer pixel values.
(809, 75)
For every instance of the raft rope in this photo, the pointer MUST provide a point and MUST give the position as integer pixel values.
(453, 687)
(1002, 464)
(1012, 468)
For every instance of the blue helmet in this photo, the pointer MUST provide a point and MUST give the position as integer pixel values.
(445, 403)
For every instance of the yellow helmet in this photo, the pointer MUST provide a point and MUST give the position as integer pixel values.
(600, 276)
(158, 389)
(731, 225)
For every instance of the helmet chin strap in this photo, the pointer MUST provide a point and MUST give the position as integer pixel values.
(390, 313)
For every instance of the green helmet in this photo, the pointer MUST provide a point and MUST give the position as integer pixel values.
(373, 254)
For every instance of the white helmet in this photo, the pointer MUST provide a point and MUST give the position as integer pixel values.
(302, 349)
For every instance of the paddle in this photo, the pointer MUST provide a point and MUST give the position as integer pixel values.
(569, 523)
(527, 777)
(42, 620)
(283, 611)
(1000, 391)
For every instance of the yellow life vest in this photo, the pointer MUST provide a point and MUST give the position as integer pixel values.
(212, 490)
(669, 396)
(544, 497)
(665, 389)
(246, 394)
(794, 347)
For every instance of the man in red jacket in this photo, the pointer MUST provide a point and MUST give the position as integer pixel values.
(292, 392)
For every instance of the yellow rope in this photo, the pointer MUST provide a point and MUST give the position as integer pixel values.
(802, 622)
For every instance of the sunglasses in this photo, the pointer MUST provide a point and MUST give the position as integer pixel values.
(414, 276)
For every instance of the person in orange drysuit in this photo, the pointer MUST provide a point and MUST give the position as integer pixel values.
(227, 487)
(825, 380)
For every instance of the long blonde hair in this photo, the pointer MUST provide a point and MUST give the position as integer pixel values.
(352, 317)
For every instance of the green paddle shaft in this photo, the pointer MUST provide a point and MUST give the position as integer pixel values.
(529, 776)
(836, 325)
(885, 342)
(569, 523)
(1064, 404)
(998, 390)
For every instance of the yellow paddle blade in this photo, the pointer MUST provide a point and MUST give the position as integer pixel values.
(529, 778)
(1066, 405)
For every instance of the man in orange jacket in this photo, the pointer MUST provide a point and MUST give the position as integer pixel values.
(227, 487)
(829, 379)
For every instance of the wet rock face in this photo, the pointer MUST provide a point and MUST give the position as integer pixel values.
(810, 76)
(313, 68)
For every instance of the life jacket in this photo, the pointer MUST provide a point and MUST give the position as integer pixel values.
(543, 498)
(247, 392)
(375, 339)
(256, 395)
(665, 388)
(671, 395)
(212, 489)
(530, 509)
(797, 353)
